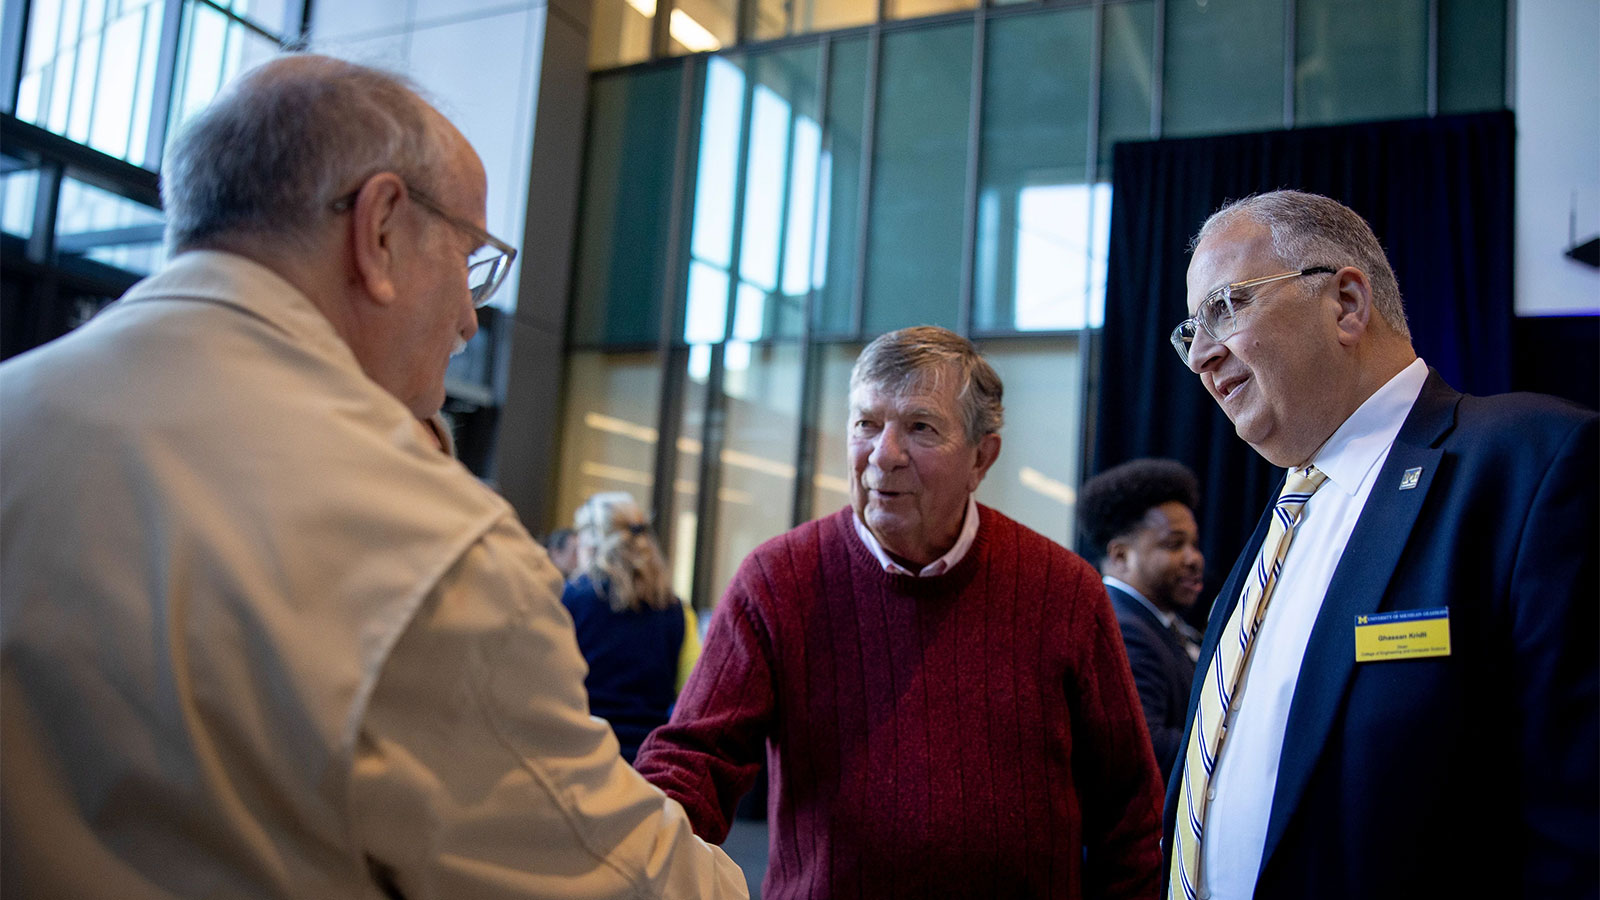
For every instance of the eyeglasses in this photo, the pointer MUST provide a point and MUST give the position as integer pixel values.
(486, 267)
(1217, 312)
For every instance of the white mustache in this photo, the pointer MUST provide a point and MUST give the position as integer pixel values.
(460, 347)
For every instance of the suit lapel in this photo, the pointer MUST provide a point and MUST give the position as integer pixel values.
(1357, 587)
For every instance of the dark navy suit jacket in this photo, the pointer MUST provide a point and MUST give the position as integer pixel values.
(1477, 773)
(1162, 671)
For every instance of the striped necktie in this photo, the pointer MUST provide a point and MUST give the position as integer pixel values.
(1222, 677)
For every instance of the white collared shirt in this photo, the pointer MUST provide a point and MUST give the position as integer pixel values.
(1164, 617)
(1247, 770)
(969, 533)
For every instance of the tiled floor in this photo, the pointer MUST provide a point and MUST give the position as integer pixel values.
(747, 845)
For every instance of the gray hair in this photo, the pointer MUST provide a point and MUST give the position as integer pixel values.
(628, 569)
(269, 155)
(1312, 230)
(919, 357)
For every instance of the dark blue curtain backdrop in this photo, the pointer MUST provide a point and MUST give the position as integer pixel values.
(1438, 193)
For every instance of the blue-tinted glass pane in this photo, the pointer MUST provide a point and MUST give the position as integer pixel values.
(919, 177)
(85, 72)
(1472, 55)
(1032, 247)
(19, 189)
(721, 116)
(1128, 73)
(839, 178)
(1360, 59)
(1224, 67)
(622, 238)
(94, 224)
(781, 188)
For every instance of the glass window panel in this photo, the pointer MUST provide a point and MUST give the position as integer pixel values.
(44, 25)
(1034, 222)
(83, 97)
(721, 117)
(279, 17)
(98, 225)
(781, 188)
(1472, 55)
(916, 9)
(621, 266)
(608, 433)
(150, 45)
(1127, 54)
(706, 319)
(765, 176)
(777, 18)
(680, 547)
(762, 386)
(1224, 67)
(19, 190)
(55, 116)
(698, 26)
(205, 34)
(111, 131)
(830, 483)
(1033, 480)
(1360, 59)
(919, 175)
(839, 176)
(619, 32)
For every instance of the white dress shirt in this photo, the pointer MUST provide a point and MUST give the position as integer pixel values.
(957, 551)
(1247, 769)
(262, 639)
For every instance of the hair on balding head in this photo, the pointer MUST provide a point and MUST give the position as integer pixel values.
(285, 140)
(918, 357)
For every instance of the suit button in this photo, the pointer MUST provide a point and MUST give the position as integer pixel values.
(1211, 794)
(1204, 894)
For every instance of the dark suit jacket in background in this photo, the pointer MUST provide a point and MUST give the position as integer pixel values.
(1478, 773)
(1162, 671)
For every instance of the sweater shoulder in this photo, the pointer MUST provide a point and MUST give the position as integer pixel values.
(1007, 535)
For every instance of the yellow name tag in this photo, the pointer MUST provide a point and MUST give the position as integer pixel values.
(1407, 634)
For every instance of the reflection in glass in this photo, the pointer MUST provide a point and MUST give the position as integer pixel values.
(915, 243)
(839, 182)
(19, 189)
(1034, 208)
(89, 76)
(1360, 59)
(916, 9)
(1039, 462)
(620, 272)
(1202, 97)
(830, 485)
(1472, 58)
(608, 433)
(762, 386)
(697, 26)
(98, 225)
(619, 32)
(680, 547)
(1127, 77)
(779, 18)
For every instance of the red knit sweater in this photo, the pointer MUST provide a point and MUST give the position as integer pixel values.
(974, 734)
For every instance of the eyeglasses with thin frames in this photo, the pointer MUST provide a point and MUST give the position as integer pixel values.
(1217, 313)
(488, 264)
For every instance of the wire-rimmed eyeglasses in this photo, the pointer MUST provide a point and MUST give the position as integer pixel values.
(1216, 313)
(488, 264)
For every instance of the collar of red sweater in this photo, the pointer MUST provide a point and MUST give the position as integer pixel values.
(956, 553)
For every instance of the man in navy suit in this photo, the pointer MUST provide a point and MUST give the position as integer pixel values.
(1138, 520)
(1417, 713)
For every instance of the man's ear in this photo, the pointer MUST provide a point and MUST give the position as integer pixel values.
(375, 222)
(1116, 560)
(988, 452)
(1355, 304)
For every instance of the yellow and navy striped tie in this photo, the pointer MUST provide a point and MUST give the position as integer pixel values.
(1222, 677)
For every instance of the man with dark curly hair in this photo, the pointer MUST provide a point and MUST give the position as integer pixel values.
(1138, 522)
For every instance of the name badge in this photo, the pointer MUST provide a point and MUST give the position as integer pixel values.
(1406, 634)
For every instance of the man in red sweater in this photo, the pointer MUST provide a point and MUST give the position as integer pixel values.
(941, 694)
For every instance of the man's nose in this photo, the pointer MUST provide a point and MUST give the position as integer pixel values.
(889, 450)
(1204, 351)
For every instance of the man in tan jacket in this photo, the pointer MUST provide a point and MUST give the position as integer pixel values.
(260, 638)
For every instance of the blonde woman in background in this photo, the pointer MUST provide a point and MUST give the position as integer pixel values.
(639, 639)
